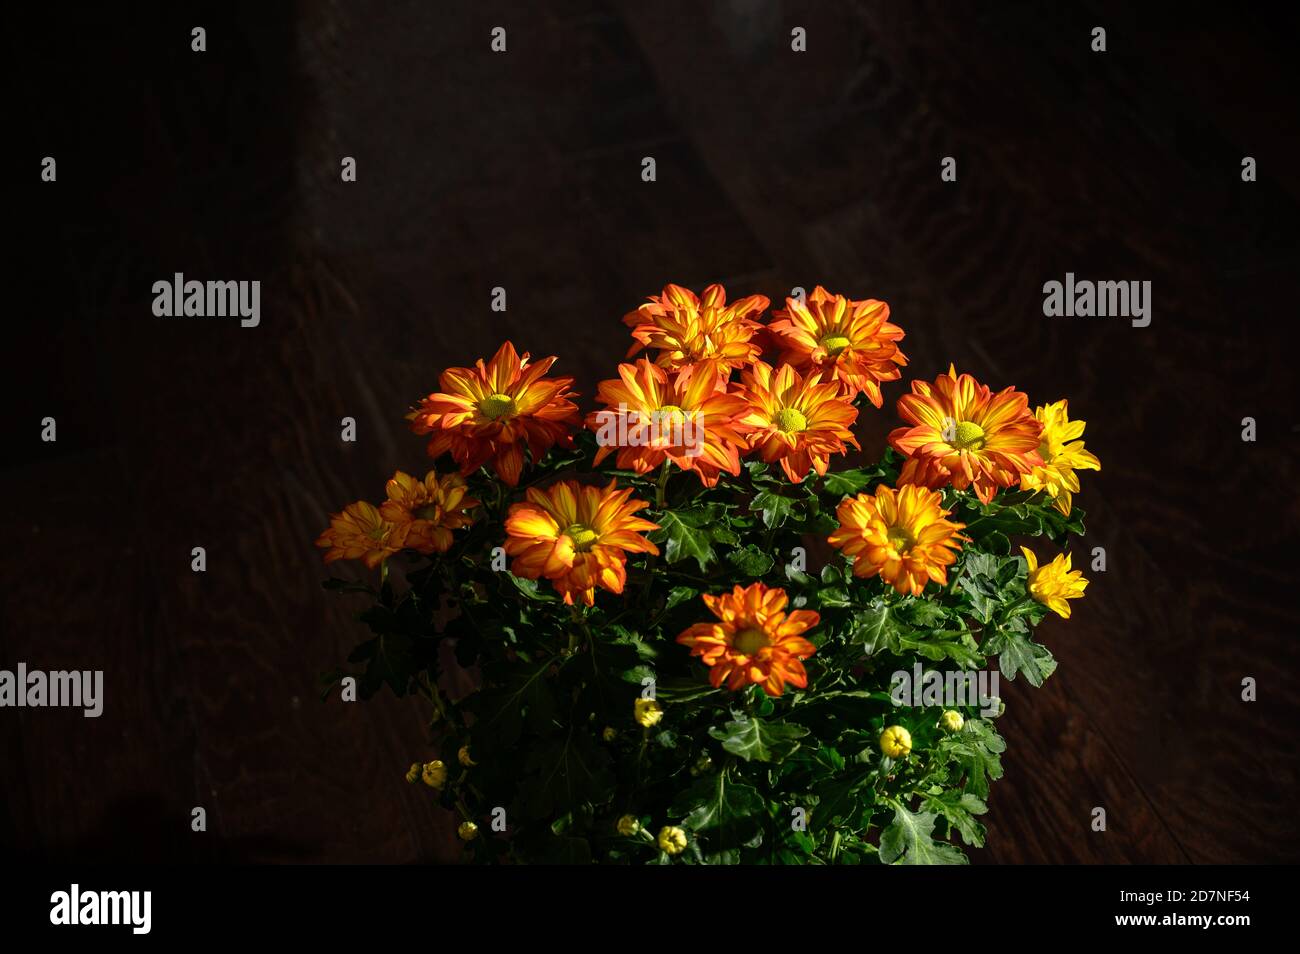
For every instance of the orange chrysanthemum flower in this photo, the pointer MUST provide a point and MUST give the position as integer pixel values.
(962, 434)
(688, 329)
(850, 341)
(361, 533)
(652, 417)
(754, 641)
(429, 509)
(577, 537)
(1062, 455)
(798, 421)
(900, 535)
(488, 412)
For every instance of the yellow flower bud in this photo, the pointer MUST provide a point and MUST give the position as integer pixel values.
(647, 712)
(628, 826)
(671, 840)
(952, 720)
(896, 742)
(463, 755)
(434, 774)
(413, 773)
(468, 831)
(609, 734)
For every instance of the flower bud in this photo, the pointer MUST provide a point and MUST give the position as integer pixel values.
(952, 721)
(671, 840)
(434, 774)
(413, 773)
(468, 831)
(896, 742)
(647, 712)
(463, 756)
(609, 734)
(628, 826)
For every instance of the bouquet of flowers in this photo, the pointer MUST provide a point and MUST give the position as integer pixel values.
(668, 632)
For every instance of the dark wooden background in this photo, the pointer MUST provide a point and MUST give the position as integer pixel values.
(522, 170)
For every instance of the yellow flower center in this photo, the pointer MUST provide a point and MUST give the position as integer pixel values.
(496, 406)
(834, 344)
(790, 420)
(428, 512)
(750, 640)
(672, 414)
(900, 539)
(582, 536)
(969, 436)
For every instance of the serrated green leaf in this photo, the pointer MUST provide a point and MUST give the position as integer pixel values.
(750, 561)
(756, 740)
(909, 840)
(775, 508)
(1017, 653)
(847, 482)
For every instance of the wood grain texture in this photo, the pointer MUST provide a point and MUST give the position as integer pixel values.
(522, 170)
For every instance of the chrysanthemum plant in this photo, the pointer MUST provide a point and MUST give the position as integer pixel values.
(672, 632)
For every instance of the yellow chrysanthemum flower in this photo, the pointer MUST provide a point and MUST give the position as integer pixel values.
(852, 342)
(686, 328)
(896, 742)
(577, 536)
(671, 840)
(901, 535)
(1062, 455)
(795, 420)
(628, 826)
(647, 712)
(467, 831)
(1053, 583)
(960, 433)
(754, 640)
(488, 413)
(429, 509)
(652, 416)
(952, 720)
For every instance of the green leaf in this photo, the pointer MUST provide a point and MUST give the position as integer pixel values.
(680, 594)
(522, 696)
(837, 801)
(962, 650)
(1017, 653)
(532, 589)
(728, 813)
(567, 771)
(687, 534)
(873, 627)
(909, 841)
(755, 740)
(775, 508)
(847, 482)
(977, 749)
(959, 810)
(750, 561)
